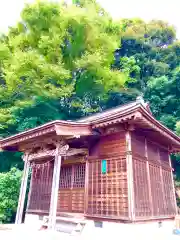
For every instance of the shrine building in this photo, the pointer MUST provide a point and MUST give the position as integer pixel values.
(111, 167)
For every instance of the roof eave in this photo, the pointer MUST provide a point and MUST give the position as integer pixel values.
(56, 127)
(133, 115)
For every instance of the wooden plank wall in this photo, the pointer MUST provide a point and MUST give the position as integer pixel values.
(153, 189)
(71, 200)
(72, 188)
(107, 192)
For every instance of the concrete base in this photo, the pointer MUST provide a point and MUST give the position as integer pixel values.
(108, 230)
(34, 220)
(96, 230)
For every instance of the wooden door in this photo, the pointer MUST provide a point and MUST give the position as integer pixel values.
(71, 189)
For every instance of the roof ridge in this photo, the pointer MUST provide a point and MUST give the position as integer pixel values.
(104, 112)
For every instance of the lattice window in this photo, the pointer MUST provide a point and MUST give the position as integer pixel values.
(72, 176)
(107, 192)
(157, 190)
(40, 192)
(66, 177)
(169, 203)
(141, 189)
(79, 175)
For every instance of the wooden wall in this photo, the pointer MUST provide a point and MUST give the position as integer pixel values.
(107, 194)
(72, 188)
(153, 188)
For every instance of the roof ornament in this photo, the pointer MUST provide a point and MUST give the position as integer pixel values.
(140, 99)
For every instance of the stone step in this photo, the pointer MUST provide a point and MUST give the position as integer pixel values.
(73, 226)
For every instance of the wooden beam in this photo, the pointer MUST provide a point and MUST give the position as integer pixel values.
(23, 188)
(42, 154)
(48, 153)
(54, 191)
(130, 181)
(75, 151)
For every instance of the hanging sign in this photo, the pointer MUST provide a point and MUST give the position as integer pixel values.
(104, 166)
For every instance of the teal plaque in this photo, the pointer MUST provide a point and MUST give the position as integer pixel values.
(104, 166)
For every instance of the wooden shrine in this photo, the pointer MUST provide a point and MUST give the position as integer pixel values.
(113, 165)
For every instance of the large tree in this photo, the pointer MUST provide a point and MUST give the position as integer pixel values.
(57, 54)
(156, 52)
(62, 62)
(56, 63)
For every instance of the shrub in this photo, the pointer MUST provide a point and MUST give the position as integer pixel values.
(9, 193)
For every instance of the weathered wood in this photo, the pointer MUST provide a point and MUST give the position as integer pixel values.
(173, 187)
(152, 184)
(130, 176)
(86, 187)
(162, 187)
(71, 191)
(22, 191)
(54, 192)
(40, 191)
(75, 151)
(30, 191)
(149, 180)
(107, 192)
(44, 152)
(137, 180)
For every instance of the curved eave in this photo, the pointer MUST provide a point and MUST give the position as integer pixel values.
(150, 121)
(139, 116)
(135, 113)
(59, 128)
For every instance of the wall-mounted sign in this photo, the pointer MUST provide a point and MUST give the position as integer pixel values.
(104, 166)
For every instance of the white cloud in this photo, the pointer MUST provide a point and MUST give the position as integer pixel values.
(145, 9)
(10, 12)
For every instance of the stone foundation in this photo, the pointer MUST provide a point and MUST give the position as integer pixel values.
(108, 230)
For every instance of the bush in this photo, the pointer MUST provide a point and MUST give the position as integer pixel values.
(9, 193)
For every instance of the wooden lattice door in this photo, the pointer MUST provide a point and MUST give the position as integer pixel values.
(71, 188)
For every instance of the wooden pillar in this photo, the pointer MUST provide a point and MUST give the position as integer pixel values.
(149, 179)
(86, 187)
(130, 181)
(54, 191)
(174, 192)
(23, 188)
(163, 205)
(30, 189)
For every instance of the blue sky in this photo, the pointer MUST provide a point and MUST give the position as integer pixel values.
(145, 9)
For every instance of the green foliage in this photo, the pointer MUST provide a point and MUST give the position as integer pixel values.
(178, 127)
(9, 194)
(156, 52)
(64, 62)
(55, 53)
